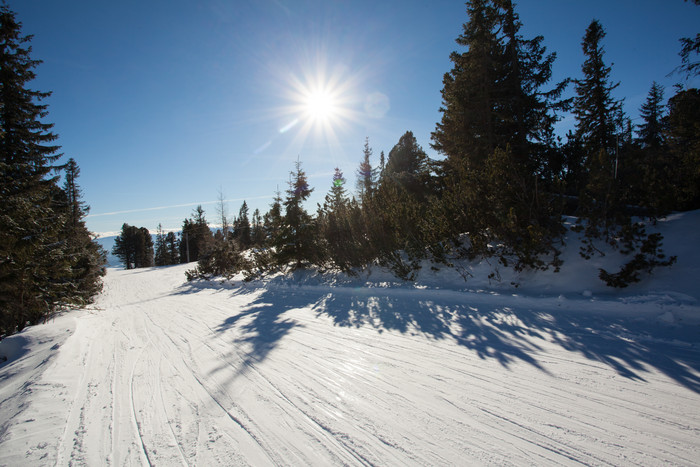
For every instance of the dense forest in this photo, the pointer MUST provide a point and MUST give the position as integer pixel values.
(48, 260)
(506, 182)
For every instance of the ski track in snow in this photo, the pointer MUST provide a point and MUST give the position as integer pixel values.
(168, 373)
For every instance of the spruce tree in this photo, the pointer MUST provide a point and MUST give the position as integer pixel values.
(295, 243)
(408, 166)
(161, 253)
(197, 238)
(650, 170)
(134, 247)
(683, 137)
(87, 258)
(597, 113)
(598, 116)
(257, 229)
(241, 227)
(38, 266)
(651, 133)
(337, 243)
(172, 248)
(272, 220)
(366, 175)
(494, 112)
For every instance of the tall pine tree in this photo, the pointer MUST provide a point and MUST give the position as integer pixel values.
(295, 243)
(41, 269)
(366, 175)
(496, 118)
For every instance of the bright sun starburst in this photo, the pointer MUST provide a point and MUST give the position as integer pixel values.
(322, 102)
(320, 105)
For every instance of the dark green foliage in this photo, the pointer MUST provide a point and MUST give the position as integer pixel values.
(47, 257)
(257, 229)
(646, 165)
(196, 238)
(86, 257)
(683, 138)
(499, 180)
(167, 248)
(597, 113)
(492, 97)
(272, 220)
(338, 244)
(222, 259)
(241, 227)
(617, 172)
(651, 133)
(295, 241)
(134, 247)
(407, 167)
(172, 255)
(366, 175)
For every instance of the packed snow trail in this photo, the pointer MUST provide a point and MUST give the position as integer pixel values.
(163, 372)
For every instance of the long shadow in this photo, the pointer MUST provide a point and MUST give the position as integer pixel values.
(506, 334)
(509, 334)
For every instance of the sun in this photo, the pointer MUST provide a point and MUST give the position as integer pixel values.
(320, 105)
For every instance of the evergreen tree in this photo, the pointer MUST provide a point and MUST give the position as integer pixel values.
(366, 175)
(604, 198)
(492, 96)
(651, 133)
(495, 113)
(40, 269)
(408, 166)
(338, 244)
(257, 229)
(134, 247)
(272, 220)
(77, 209)
(161, 253)
(197, 238)
(683, 137)
(241, 227)
(87, 257)
(172, 249)
(337, 198)
(295, 242)
(647, 172)
(597, 113)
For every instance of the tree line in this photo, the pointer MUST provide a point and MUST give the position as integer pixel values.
(506, 182)
(48, 259)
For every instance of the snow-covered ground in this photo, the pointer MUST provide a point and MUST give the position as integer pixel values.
(314, 371)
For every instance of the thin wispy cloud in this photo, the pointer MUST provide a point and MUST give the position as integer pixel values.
(159, 208)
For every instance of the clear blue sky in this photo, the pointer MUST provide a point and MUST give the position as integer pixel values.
(163, 102)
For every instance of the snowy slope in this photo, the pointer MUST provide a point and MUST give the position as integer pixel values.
(299, 371)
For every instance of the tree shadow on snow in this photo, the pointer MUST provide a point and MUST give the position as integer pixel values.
(507, 334)
(501, 333)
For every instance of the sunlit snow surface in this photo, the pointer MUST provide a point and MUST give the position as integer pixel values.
(306, 370)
